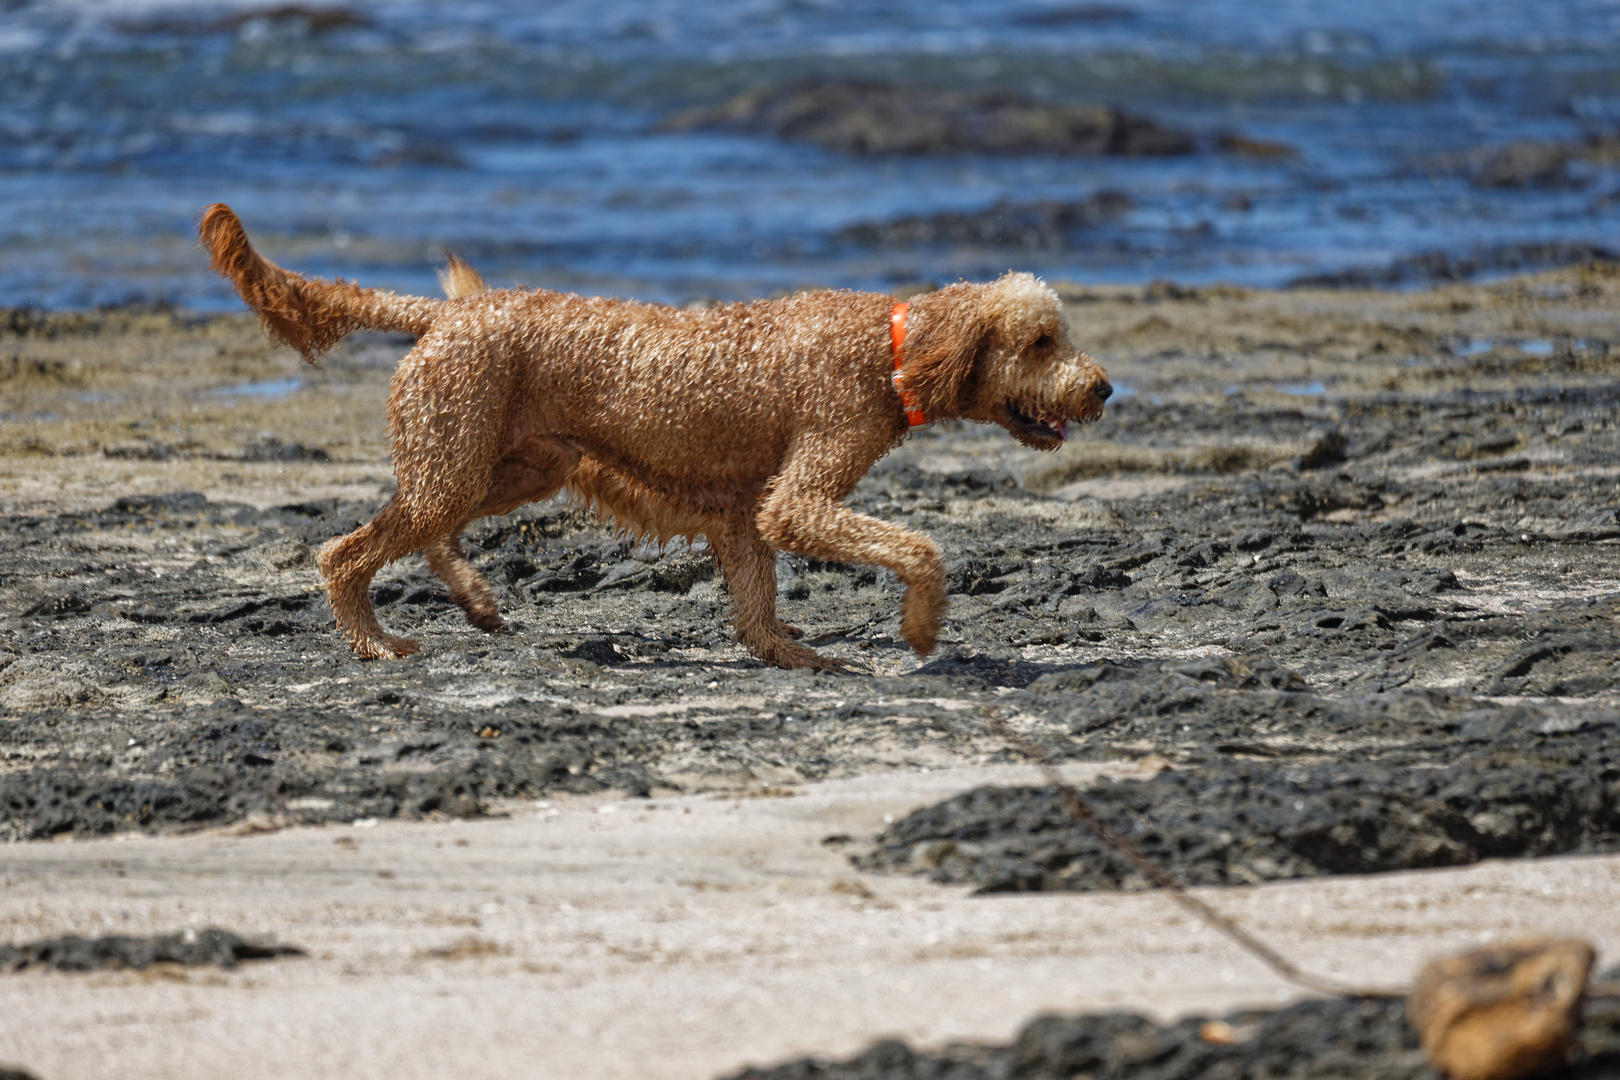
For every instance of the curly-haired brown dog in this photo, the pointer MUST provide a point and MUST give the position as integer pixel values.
(745, 423)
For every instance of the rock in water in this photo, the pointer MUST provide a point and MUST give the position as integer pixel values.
(1502, 1013)
(860, 117)
(1047, 225)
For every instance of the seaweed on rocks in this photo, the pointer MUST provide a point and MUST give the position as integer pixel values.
(222, 763)
(1340, 1038)
(1243, 822)
(1530, 163)
(1365, 533)
(210, 946)
(1440, 266)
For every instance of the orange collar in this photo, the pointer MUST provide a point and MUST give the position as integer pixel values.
(897, 341)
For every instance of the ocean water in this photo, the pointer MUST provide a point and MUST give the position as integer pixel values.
(360, 139)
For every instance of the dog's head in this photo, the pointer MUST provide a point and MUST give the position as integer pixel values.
(1000, 353)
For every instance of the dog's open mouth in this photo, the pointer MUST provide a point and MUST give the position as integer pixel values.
(1034, 425)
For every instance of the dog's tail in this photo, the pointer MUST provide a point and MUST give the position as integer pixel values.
(306, 314)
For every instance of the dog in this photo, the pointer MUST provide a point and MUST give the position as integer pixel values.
(745, 423)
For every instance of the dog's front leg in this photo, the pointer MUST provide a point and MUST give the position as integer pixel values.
(804, 513)
(749, 565)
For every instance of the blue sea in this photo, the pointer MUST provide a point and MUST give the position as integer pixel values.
(361, 139)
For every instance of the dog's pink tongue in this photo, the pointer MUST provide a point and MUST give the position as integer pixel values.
(1062, 428)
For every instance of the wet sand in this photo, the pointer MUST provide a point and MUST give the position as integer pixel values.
(673, 937)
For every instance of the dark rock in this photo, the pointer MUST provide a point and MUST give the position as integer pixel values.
(1258, 540)
(1036, 226)
(176, 503)
(219, 763)
(1438, 266)
(212, 946)
(1326, 448)
(1560, 663)
(975, 577)
(60, 603)
(1342, 1038)
(1525, 164)
(857, 117)
(627, 573)
(419, 154)
(297, 18)
(1353, 1040)
(1433, 582)
(680, 571)
(270, 448)
(1241, 823)
(138, 451)
(1528, 164)
(597, 651)
(1230, 142)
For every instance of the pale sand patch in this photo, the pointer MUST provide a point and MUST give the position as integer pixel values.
(1125, 486)
(71, 485)
(677, 937)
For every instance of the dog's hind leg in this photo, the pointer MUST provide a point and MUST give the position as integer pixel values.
(469, 590)
(348, 563)
(445, 448)
(749, 565)
(532, 470)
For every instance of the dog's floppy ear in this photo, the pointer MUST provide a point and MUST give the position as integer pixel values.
(944, 333)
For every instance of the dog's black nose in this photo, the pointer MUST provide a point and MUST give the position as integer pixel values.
(1103, 390)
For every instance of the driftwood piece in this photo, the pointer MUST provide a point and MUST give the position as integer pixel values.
(1503, 1013)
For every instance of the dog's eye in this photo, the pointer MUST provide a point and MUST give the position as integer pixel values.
(1043, 341)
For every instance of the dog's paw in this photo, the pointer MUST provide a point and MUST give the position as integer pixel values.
(786, 654)
(489, 622)
(387, 647)
(790, 631)
(921, 612)
(920, 632)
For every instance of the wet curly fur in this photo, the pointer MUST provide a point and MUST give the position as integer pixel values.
(745, 423)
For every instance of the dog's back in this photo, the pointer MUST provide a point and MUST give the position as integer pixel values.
(701, 397)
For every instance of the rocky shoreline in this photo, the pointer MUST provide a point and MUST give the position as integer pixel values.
(1374, 527)
(1339, 1038)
